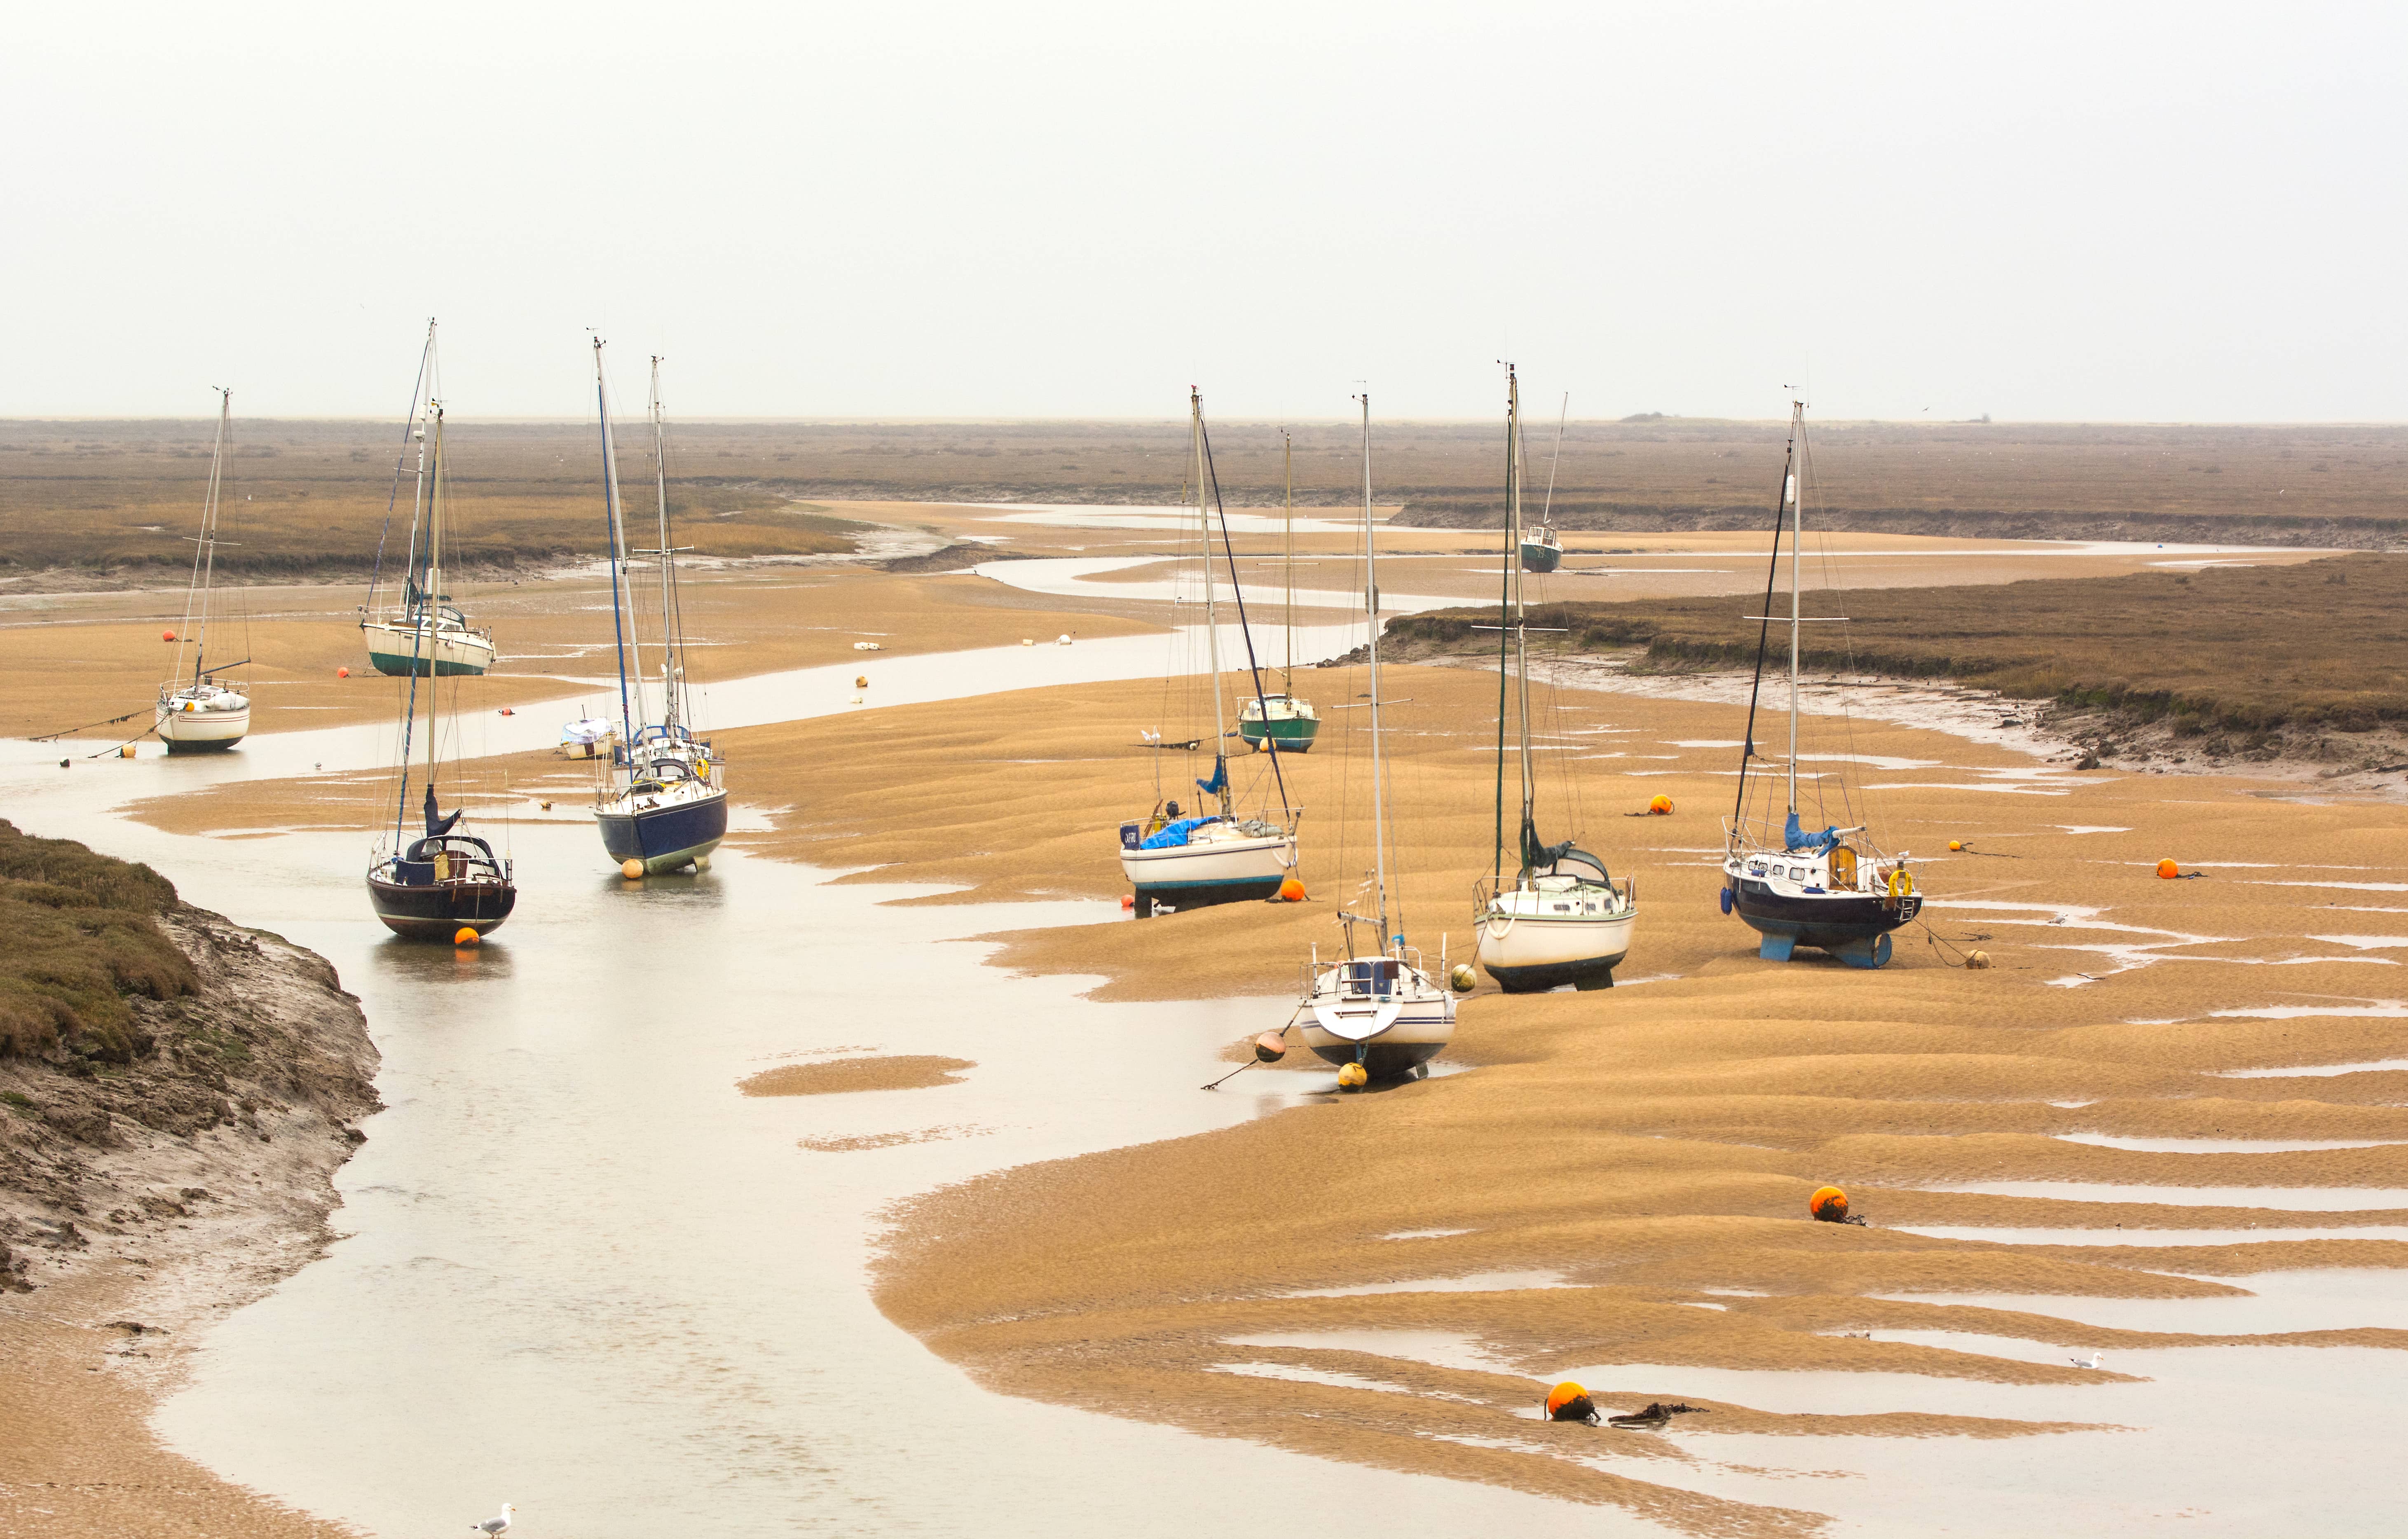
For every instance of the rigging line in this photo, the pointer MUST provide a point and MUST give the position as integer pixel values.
(417, 393)
(1238, 592)
(1764, 631)
(1547, 509)
(1504, 645)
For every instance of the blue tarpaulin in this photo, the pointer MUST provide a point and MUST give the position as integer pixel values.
(1173, 834)
(1796, 839)
(1220, 778)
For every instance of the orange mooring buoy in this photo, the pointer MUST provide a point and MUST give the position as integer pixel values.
(1570, 1402)
(1291, 889)
(1828, 1203)
(342, 673)
(166, 635)
(1661, 807)
(465, 937)
(2169, 869)
(1128, 900)
(1270, 1048)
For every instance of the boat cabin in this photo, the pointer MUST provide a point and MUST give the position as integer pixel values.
(446, 858)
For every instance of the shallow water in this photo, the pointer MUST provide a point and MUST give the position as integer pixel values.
(2291, 1199)
(579, 1270)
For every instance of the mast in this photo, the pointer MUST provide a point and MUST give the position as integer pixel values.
(1796, 532)
(1372, 613)
(618, 548)
(435, 575)
(672, 665)
(205, 552)
(1287, 677)
(1212, 610)
(1521, 608)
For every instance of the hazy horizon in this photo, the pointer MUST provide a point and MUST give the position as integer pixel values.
(2061, 215)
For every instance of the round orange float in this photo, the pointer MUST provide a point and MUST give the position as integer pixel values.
(1270, 1048)
(465, 937)
(166, 635)
(2169, 869)
(1828, 1203)
(1291, 890)
(1659, 806)
(342, 673)
(1956, 844)
(1570, 1402)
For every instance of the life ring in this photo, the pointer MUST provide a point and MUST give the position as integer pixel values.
(1901, 885)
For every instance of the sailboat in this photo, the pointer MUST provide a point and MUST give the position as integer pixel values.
(1379, 1010)
(1286, 723)
(1542, 551)
(201, 715)
(430, 879)
(1833, 888)
(420, 633)
(1560, 917)
(1175, 861)
(664, 802)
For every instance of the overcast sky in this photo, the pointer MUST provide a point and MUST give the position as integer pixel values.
(2187, 212)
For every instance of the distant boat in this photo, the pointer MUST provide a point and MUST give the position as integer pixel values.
(430, 878)
(1379, 1010)
(422, 633)
(1289, 723)
(202, 715)
(1542, 550)
(665, 803)
(1177, 861)
(1559, 917)
(1792, 886)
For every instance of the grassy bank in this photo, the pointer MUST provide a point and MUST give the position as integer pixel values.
(2318, 645)
(84, 938)
(87, 493)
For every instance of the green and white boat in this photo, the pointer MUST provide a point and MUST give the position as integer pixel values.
(421, 634)
(1287, 721)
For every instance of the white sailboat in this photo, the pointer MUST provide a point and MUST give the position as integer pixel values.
(1174, 862)
(1560, 916)
(420, 633)
(202, 714)
(1382, 1010)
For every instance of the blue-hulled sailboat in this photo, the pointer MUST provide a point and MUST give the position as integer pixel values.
(664, 804)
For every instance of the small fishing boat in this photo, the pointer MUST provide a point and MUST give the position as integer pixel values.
(1174, 860)
(430, 878)
(1286, 722)
(422, 633)
(200, 713)
(1559, 917)
(1380, 1010)
(663, 801)
(1832, 888)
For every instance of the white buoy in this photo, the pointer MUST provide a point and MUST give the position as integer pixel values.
(1062, 641)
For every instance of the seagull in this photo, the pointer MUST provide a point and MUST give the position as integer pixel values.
(494, 1527)
(2095, 1360)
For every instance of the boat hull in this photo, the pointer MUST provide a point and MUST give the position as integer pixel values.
(1198, 875)
(1287, 733)
(1852, 926)
(201, 730)
(1536, 556)
(1419, 1032)
(668, 837)
(440, 910)
(399, 651)
(1526, 953)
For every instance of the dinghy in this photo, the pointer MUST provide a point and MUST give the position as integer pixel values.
(1378, 1008)
(1832, 887)
(201, 714)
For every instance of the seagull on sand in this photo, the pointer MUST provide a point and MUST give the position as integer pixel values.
(497, 1526)
(2095, 1358)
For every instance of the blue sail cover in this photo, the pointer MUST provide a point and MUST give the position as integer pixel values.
(1173, 834)
(1796, 839)
(1220, 781)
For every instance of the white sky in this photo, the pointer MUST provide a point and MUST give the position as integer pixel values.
(2085, 211)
